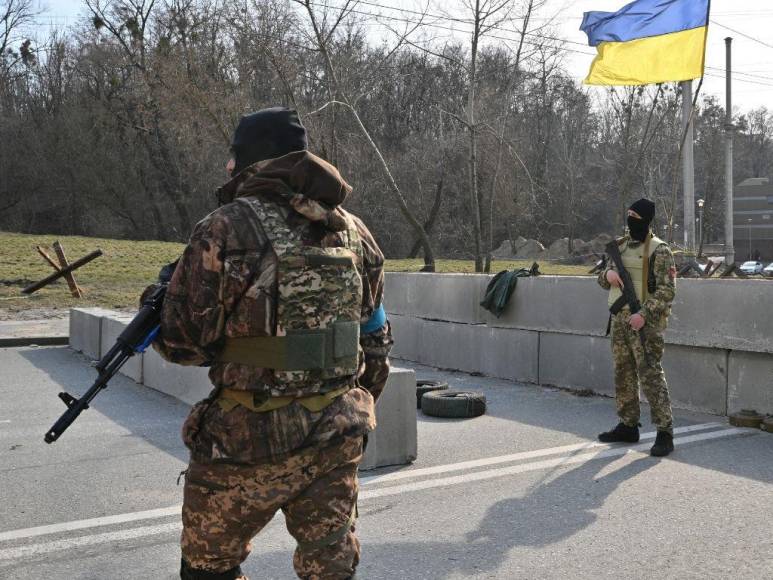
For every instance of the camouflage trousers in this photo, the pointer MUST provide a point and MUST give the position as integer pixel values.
(225, 505)
(635, 365)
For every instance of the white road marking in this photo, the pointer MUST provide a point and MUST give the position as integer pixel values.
(46, 547)
(90, 523)
(34, 550)
(535, 466)
(5, 421)
(588, 445)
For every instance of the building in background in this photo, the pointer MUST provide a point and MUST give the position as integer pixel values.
(753, 219)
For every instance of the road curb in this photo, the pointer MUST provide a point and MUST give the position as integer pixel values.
(14, 341)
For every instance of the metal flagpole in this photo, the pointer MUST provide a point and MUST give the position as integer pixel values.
(729, 249)
(688, 168)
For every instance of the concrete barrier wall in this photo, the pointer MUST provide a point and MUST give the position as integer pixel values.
(93, 331)
(728, 314)
(719, 353)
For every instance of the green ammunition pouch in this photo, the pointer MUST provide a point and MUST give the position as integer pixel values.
(315, 349)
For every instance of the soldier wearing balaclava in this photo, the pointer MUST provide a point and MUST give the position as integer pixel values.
(650, 264)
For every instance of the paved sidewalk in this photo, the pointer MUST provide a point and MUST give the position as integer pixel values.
(29, 332)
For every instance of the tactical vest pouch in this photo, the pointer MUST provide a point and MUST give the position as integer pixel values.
(299, 350)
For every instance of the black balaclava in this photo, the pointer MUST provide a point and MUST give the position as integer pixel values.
(267, 134)
(639, 228)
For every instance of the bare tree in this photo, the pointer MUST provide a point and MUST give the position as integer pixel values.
(487, 15)
(116, 126)
(15, 16)
(338, 96)
(527, 12)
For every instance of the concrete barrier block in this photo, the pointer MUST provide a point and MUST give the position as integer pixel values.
(727, 314)
(567, 304)
(576, 362)
(85, 330)
(450, 297)
(113, 324)
(697, 378)
(394, 441)
(406, 331)
(450, 346)
(497, 352)
(750, 382)
(509, 354)
(188, 384)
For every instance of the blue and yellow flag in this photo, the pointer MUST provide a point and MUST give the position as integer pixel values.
(648, 41)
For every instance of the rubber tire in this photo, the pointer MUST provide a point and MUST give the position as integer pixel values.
(454, 404)
(423, 387)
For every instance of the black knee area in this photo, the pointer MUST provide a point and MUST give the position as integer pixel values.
(188, 573)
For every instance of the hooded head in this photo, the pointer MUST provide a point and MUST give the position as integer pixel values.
(267, 134)
(640, 216)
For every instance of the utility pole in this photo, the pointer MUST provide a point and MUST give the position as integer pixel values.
(729, 130)
(688, 167)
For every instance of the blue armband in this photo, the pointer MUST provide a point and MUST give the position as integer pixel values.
(375, 322)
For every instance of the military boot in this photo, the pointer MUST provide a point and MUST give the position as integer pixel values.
(621, 434)
(664, 444)
(188, 573)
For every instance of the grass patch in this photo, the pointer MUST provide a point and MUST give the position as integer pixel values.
(116, 279)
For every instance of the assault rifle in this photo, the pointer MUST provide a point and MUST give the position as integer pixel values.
(629, 292)
(135, 339)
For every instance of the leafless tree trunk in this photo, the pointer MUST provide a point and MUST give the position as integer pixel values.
(322, 40)
(486, 15)
(430, 221)
(503, 121)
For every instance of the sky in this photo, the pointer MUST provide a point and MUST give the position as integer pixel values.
(751, 22)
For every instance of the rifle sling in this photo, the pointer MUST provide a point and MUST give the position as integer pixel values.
(645, 268)
(618, 305)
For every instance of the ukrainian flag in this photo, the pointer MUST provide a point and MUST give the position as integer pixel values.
(648, 41)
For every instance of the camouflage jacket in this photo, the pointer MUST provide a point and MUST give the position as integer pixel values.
(657, 307)
(225, 286)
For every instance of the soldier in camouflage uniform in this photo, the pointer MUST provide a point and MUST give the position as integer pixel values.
(279, 291)
(651, 265)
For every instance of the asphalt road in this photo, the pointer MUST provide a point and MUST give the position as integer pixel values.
(522, 492)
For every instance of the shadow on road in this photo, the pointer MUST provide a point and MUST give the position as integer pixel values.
(551, 511)
(152, 416)
(558, 410)
(558, 508)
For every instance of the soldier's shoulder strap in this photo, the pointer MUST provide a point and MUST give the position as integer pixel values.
(655, 243)
(273, 219)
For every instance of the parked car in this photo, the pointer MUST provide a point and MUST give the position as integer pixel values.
(768, 271)
(752, 267)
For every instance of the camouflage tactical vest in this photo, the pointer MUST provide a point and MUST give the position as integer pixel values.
(318, 310)
(638, 266)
